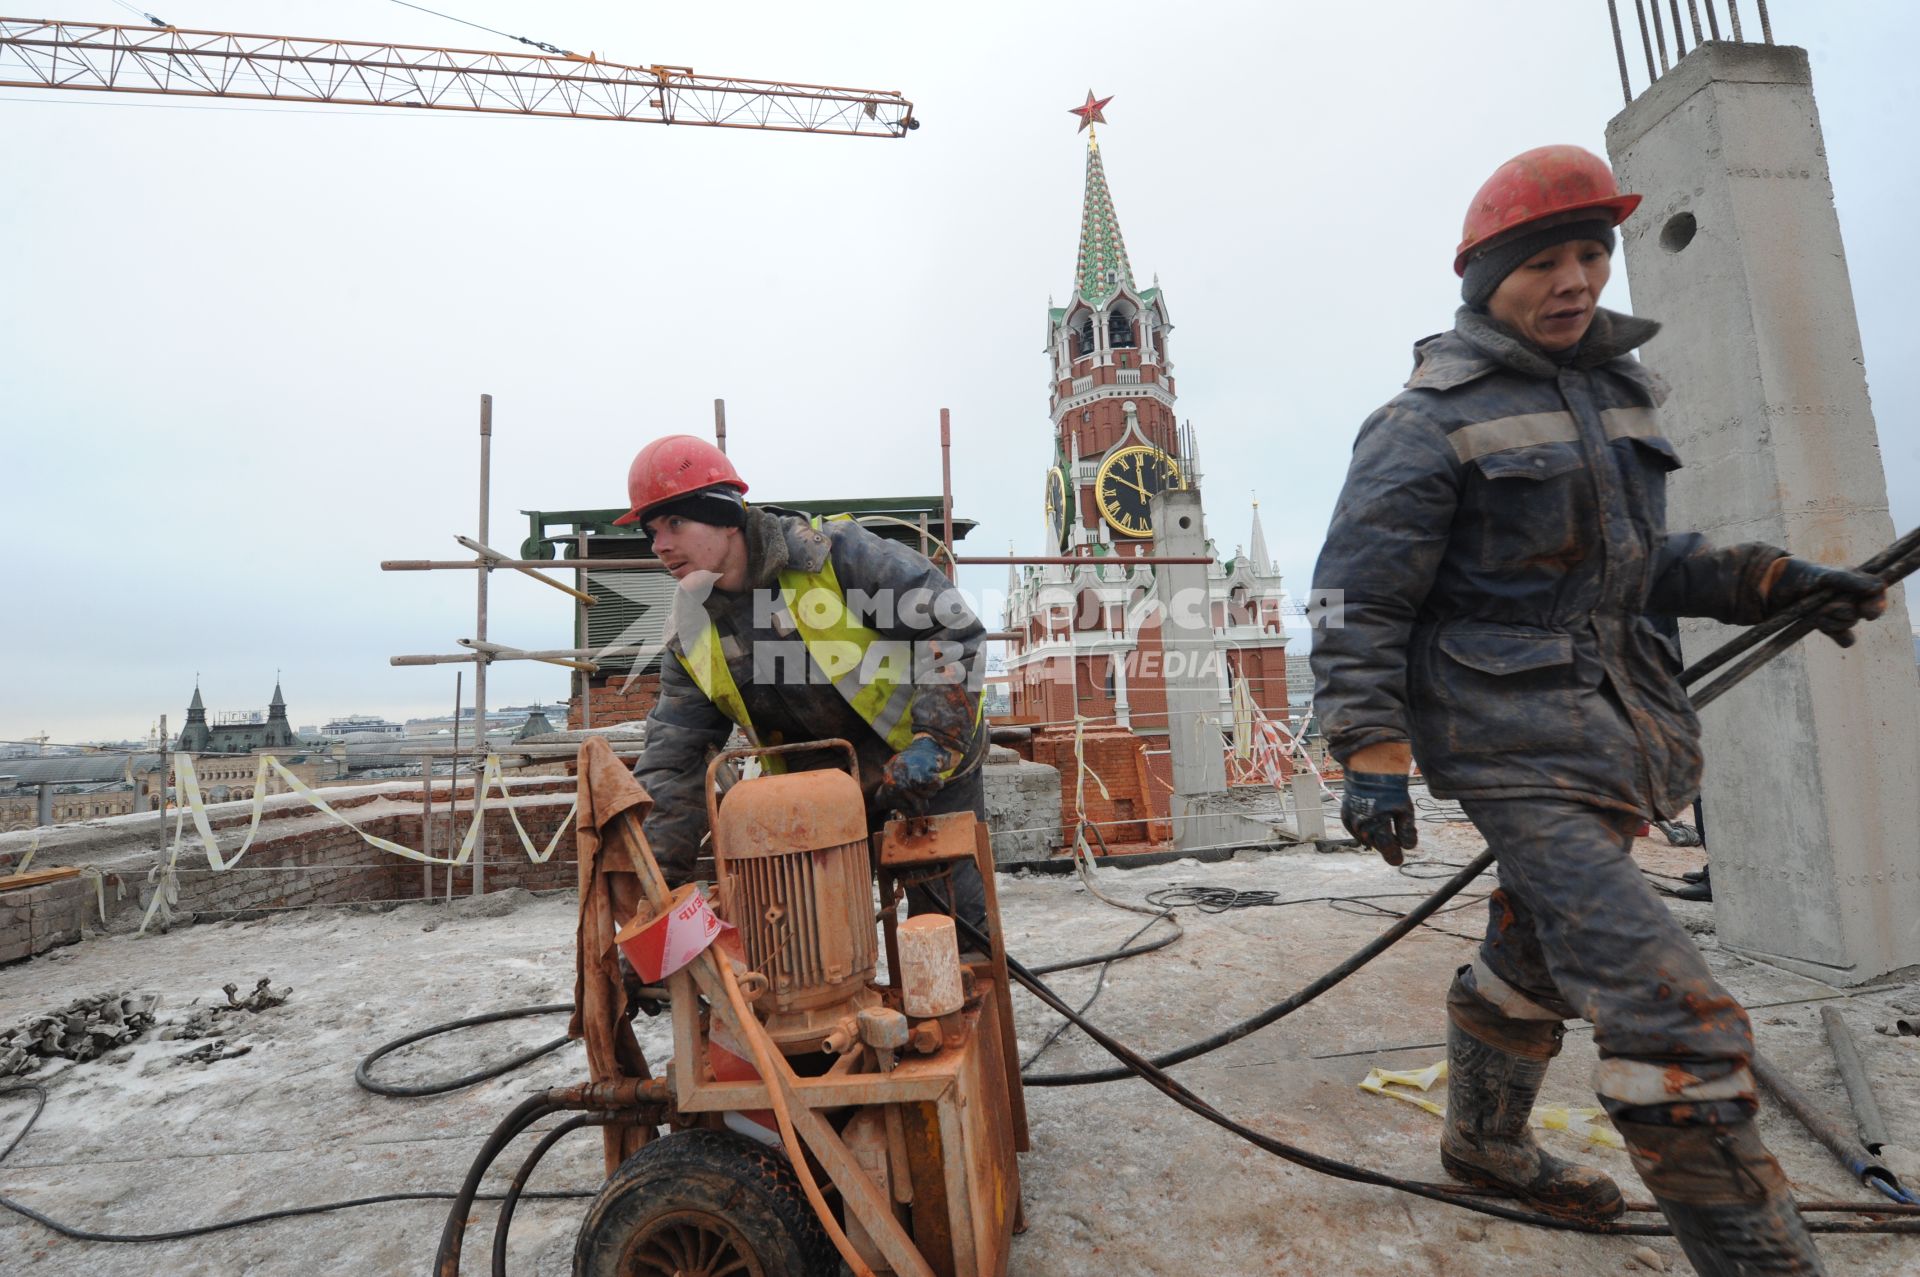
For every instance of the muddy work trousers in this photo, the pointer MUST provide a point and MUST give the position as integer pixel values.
(1575, 931)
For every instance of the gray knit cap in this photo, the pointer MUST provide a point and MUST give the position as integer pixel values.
(1488, 268)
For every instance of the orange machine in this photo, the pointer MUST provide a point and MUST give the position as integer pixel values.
(814, 1113)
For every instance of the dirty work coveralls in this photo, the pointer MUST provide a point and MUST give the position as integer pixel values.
(1499, 541)
(917, 604)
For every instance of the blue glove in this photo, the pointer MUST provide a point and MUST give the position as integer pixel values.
(911, 777)
(1852, 596)
(1378, 811)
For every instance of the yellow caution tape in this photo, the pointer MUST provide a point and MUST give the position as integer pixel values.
(1381, 1082)
(93, 874)
(167, 891)
(1588, 1123)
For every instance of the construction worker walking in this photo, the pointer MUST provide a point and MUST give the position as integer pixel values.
(795, 629)
(1480, 605)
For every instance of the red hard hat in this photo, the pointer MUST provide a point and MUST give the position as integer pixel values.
(1543, 182)
(673, 466)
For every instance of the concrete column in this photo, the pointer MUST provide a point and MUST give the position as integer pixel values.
(1194, 718)
(1310, 818)
(1813, 764)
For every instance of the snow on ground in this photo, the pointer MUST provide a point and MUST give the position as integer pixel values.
(1120, 1181)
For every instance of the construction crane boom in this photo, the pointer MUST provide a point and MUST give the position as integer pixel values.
(50, 54)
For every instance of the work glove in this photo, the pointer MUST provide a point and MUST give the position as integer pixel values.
(911, 777)
(1853, 596)
(1378, 811)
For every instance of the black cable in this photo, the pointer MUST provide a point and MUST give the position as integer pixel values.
(1129, 950)
(1373, 949)
(1451, 1194)
(363, 1072)
(511, 1199)
(71, 1233)
(1099, 982)
(446, 1259)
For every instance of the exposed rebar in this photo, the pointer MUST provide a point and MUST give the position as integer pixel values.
(1766, 27)
(1853, 1073)
(1733, 18)
(1646, 41)
(1660, 38)
(1693, 11)
(1679, 36)
(1620, 53)
(1713, 20)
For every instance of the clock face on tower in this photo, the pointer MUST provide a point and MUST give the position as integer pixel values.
(1127, 481)
(1057, 508)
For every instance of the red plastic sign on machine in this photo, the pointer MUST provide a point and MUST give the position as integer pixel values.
(668, 941)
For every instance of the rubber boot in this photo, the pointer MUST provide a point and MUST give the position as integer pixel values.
(1491, 1087)
(1698, 889)
(1725, 1197)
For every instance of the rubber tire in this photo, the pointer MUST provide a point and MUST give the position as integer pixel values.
(745, 1184)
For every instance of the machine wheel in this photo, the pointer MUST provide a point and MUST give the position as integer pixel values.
(703, 1203)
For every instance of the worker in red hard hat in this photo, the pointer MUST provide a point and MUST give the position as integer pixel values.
(1481, 605)
(790, 628)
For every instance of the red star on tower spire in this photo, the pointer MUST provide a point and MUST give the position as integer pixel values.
(1090, 112)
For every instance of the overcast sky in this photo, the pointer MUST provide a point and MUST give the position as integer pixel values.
(242, 346)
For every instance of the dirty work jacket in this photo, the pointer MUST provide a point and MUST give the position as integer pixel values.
(1500, 538)
(895, 591)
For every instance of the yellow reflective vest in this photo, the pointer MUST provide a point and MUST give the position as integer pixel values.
(817, 608)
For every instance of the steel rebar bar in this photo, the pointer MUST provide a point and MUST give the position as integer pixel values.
(1646, 41)
(453, 781)
(438, 565)
(1660, 39)
(946, 485)
(501, 560)
(480, 633)
(1852, 1154)
(1620, 52)
(1853, 1073)
(1679, 36)
(580, 628)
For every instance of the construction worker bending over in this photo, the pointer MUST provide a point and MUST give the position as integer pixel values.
(795, 629)
(1481, 606)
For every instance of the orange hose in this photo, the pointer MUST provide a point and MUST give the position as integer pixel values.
(773, 1075)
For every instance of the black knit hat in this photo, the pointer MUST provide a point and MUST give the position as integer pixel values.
(1489, 268)
(719, 505)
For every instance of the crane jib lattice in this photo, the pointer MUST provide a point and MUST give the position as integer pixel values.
(47, 54)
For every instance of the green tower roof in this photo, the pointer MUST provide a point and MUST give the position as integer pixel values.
(1102, 268)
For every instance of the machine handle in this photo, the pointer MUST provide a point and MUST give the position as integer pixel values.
(760, 751)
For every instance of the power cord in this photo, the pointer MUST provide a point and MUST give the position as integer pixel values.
(72, 1233)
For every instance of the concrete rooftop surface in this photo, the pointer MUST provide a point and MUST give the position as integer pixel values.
(1120, 1181)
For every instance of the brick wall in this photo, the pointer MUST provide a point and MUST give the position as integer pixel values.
(1129, 811)
(614, 701)
(300, 858)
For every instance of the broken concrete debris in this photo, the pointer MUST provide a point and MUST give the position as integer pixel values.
(82, 1030)
(90, 1027)
(208, 1052)
(206, 1022)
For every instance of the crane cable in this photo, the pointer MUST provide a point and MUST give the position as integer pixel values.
(541, 45)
